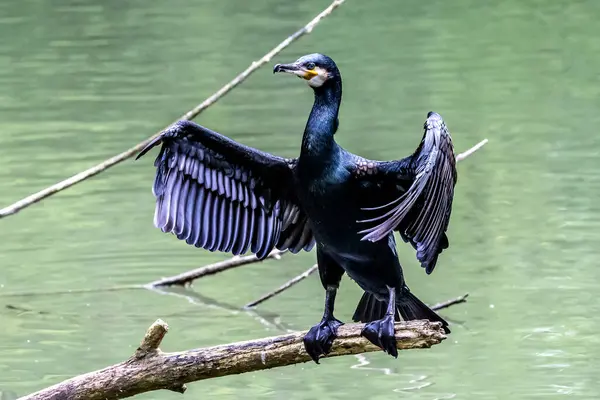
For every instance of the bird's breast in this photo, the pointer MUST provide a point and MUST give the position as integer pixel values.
(327, 197)
(322, 184)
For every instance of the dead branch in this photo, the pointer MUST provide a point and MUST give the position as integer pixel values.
(186, 278)
(283, 287)
(80, 177)
(472, 150)
(451, 302)
(151, 369)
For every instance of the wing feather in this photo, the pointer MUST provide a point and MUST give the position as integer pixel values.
(421, 211)
(217, 194)
(181, 208)
(228, 243)
(189, 213)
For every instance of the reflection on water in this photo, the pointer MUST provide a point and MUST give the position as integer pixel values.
(81, 81)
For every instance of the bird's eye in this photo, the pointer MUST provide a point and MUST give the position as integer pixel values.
(310, 66)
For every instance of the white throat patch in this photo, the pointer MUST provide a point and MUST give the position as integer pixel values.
(319, 79)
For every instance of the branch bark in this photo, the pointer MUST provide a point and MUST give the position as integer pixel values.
(151, 369)
(186, 278)
(80, 177)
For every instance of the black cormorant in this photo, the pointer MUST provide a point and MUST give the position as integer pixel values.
(220, 195)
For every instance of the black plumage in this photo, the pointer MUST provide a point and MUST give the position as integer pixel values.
(220, 195)
(216, 204)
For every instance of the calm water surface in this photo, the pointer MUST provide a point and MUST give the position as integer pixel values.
(81, 80)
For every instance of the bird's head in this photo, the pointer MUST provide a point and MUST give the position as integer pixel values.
(317, 69)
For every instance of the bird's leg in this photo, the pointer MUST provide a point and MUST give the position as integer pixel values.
(320, 337)
(381, 332)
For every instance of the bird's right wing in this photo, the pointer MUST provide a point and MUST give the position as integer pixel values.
(220, 195)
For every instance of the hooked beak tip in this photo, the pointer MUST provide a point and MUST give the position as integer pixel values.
(288, 68)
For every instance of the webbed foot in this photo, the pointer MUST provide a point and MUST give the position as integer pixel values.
(319, 338)
(381, 334)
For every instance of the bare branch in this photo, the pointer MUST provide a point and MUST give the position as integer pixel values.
(186, 278)
(283, 287)
(472, 150)
(67, 183)
(451, 302)
(156, 370)
(265, 59)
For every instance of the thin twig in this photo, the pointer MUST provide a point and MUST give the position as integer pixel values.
(186, 278)
(60, 186)
(451, 302)
(151, 369)
(472, 150)
(265, 59)
(283, 287)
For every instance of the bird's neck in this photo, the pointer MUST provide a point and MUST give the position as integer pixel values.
(323, 121)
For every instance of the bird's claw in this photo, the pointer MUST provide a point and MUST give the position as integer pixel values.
(319, 338)
(381, 334)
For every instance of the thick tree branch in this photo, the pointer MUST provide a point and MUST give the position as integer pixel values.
(151, 369)
(80, 177)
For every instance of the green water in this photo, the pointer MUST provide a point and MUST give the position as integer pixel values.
(83, 80)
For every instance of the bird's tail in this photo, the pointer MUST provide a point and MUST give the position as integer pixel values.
(408, 307)
(370, 309)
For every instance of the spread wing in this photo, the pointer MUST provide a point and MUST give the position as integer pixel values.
(220, 195)
(420, 189)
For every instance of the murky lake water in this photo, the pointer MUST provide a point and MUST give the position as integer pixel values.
(83, 80)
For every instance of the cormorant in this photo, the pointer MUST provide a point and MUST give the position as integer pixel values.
(218, 194)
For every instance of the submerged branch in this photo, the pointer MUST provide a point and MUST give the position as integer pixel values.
(151, 369)
(80, 177)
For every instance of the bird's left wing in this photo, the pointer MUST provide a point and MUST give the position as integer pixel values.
(418, 191)
(220, 195)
